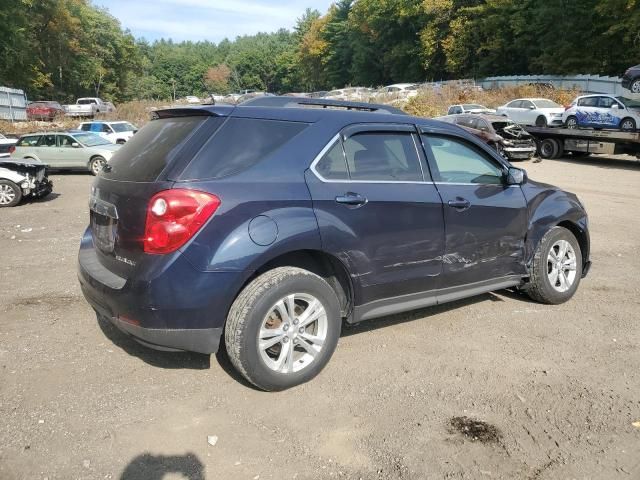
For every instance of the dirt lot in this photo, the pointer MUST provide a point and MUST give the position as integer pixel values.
(558, 386)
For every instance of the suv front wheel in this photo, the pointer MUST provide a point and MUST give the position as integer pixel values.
(557, 267)
(283, 328)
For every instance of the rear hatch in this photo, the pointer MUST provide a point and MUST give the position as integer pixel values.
(120, 194)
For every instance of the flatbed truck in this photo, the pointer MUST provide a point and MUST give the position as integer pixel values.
(555, 142)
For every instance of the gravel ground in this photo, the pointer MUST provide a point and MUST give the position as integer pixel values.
(557, 387)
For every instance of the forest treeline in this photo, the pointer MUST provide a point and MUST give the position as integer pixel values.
(62, 49)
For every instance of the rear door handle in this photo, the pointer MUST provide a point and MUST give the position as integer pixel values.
(459, 203)
(352, 199)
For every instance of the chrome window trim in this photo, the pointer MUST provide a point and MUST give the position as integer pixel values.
(330, 145)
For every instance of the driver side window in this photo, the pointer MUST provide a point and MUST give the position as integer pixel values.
(458, 162)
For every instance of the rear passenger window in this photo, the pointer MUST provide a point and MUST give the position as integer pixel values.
(332, 166)
(588, 102)
(85, 127)
(28, 141)
(238, 145)
(383, 157)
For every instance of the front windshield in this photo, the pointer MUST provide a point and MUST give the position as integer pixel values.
(547, 104)
(627, 102)
(91, 139)
(123, 127)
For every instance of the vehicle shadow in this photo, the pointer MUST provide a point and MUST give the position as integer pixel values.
(156, 358)
(159, 467)
(629, 163)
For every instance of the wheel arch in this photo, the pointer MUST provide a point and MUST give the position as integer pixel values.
(581, 235)
(323, 264)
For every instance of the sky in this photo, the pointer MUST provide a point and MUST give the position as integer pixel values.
(211, 20)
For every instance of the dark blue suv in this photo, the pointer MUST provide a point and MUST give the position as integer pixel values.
(274, 221)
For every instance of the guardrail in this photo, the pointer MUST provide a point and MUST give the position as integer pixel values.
(13, 104)
(585, 83)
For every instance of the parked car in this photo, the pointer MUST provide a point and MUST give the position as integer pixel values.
(192, 99)
(538, 112)
(272, 225)
(603, 111)
(21, 179)
(508, 138)
(72, 149)
(116, 132)
(6, 145)
(469, 108)
(89, 107)
(631, 79)
(398, 91)
(44, 110)
(318, 94)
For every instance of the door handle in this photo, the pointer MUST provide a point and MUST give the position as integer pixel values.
(351, 199)
(459, 203)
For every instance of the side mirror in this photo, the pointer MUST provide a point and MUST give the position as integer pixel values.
(75, 145)
(532, 107)
(516, 176)
(615, 106)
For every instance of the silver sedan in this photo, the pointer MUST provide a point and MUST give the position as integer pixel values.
(77, 150)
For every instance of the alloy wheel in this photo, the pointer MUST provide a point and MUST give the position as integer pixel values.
(7, 194)
(293, 333)
(561, 266)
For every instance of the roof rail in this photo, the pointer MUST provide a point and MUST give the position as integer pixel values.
(297, 102)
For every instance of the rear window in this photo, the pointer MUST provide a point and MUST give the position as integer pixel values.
(155, 146)
(238, 145)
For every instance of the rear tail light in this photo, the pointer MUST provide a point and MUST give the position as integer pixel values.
(174, 216)
(12, 148)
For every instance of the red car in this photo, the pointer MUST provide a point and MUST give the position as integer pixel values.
(44, 110)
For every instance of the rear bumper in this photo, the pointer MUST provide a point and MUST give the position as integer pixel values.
(200, 340)
(171, 306)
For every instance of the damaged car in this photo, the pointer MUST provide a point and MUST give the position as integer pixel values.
(508, 138)
(20, 179)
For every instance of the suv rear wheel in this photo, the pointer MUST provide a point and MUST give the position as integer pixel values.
(557, 267)
(283, 328)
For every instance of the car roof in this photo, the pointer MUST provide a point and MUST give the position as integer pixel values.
(400, 85)
(56, 132)
(596, 95)
(105, 121)
(307, 110)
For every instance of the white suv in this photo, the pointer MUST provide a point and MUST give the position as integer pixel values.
(115, 132)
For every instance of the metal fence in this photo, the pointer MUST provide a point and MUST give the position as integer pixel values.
(13, 104)
(585, 83)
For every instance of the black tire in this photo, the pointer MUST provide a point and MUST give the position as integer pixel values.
(10, 194)
(96, 164)
(249, 311)
(571, 122)
(628, 124)
(540, 287)
(548, 148)
(541, 121)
